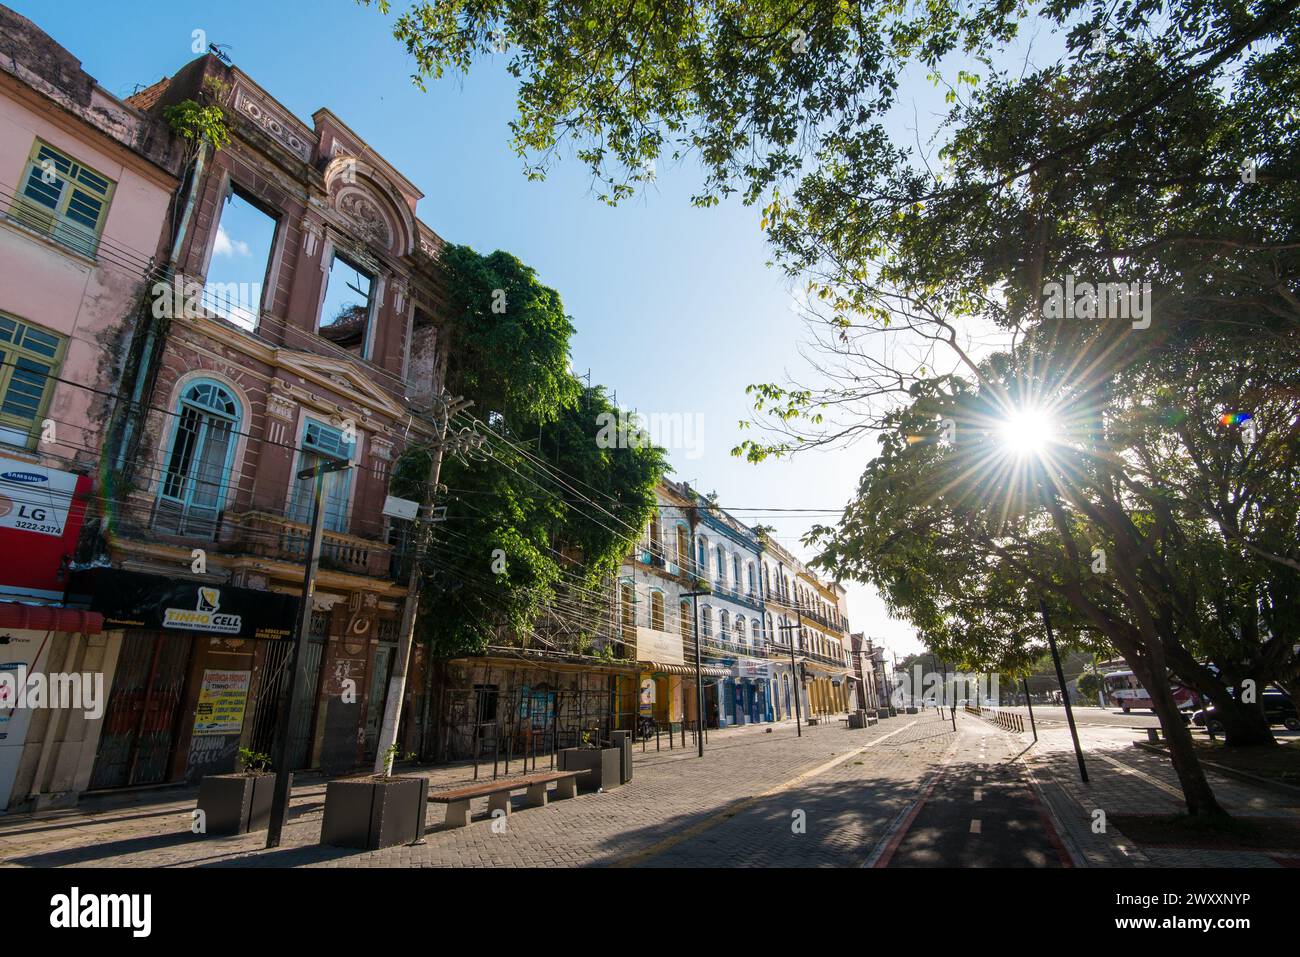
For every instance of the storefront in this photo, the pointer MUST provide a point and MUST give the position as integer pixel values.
(194, 665)
(751, 679)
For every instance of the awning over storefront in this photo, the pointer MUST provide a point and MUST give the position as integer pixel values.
(752, 669)
(50, 618)
(708, 671)
(183, 607)
(826, 671)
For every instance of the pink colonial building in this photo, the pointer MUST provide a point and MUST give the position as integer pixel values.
(295, 328)
(85, 186)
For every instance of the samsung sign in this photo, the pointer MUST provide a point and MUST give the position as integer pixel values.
(41, 511)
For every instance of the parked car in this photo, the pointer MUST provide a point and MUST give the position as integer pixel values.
(1278, 708)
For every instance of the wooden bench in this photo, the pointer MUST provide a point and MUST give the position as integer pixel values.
(498, 794)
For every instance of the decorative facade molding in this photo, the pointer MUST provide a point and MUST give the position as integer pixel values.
(311, 236)
(280, 128)
(381, 449)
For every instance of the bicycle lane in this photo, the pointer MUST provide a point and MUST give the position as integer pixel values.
(979, 810)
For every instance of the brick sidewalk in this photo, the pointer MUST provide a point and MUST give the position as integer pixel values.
(736, 807)
(1128, 780)
(672, 791)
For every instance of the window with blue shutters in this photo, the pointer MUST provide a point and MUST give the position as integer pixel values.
(62, 199)
(323, 443)
(29, 360)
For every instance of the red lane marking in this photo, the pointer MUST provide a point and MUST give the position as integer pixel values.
(908, 821)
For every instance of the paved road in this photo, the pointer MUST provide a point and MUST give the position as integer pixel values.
(1096, 717)
(979, 811)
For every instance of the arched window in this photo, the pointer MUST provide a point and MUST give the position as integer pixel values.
(683, 546)
(706, 621)
(627, 594)
(199, 461)
(657, 610)
(735, 571)
(702, 547)
(724, 625)
(742, 630)
(684, 618)
(749, 576)
(722, 565)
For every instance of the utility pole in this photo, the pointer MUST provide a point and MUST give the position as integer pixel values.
(297, 660)
(1065, 693)
(462, 441)
(794, 673)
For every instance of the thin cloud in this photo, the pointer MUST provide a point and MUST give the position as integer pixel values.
(225, 246)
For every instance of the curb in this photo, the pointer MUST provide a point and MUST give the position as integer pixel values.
(1289, 790)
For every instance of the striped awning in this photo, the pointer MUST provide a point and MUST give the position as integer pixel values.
(50, 618)
(707, 671)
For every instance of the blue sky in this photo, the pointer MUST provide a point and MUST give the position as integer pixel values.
(674, 308)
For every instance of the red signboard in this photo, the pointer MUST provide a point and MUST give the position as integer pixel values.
(41, 511)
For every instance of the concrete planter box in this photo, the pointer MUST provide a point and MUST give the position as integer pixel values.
(371, 813)
(236, 803)
(603, 763)
(912, 711)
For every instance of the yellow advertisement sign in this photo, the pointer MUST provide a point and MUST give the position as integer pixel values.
(221, 702)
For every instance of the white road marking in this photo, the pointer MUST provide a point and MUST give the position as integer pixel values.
(975, 825)
(979, 794)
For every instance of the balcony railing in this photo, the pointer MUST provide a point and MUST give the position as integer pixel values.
(272, 536)
(736, 649)
(777, 649)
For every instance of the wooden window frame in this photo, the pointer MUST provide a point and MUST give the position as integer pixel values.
(8, 367)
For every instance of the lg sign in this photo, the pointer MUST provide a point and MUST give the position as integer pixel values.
(41, 512)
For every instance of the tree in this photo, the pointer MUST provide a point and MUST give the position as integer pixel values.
(534, 529)
(1089, 686)
(1166, 153)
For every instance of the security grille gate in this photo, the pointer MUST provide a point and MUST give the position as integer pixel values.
(140, 720)
(379, 675)
(273, 684)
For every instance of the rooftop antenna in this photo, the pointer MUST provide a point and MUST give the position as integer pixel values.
(218, 50)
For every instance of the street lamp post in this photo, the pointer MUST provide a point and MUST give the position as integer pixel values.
(694, 596)
(298, 660)
(1029, 704)
(1065, 694)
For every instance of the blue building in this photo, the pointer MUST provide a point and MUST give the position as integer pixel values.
(733, 633)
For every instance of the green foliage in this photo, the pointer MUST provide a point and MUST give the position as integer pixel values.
(201, 122)
(516, 509)
(1089, 686)
(510, 337)
(254, 762)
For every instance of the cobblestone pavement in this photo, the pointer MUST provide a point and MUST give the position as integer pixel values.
(1124, 779)
(672, 792)
(833, 797)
